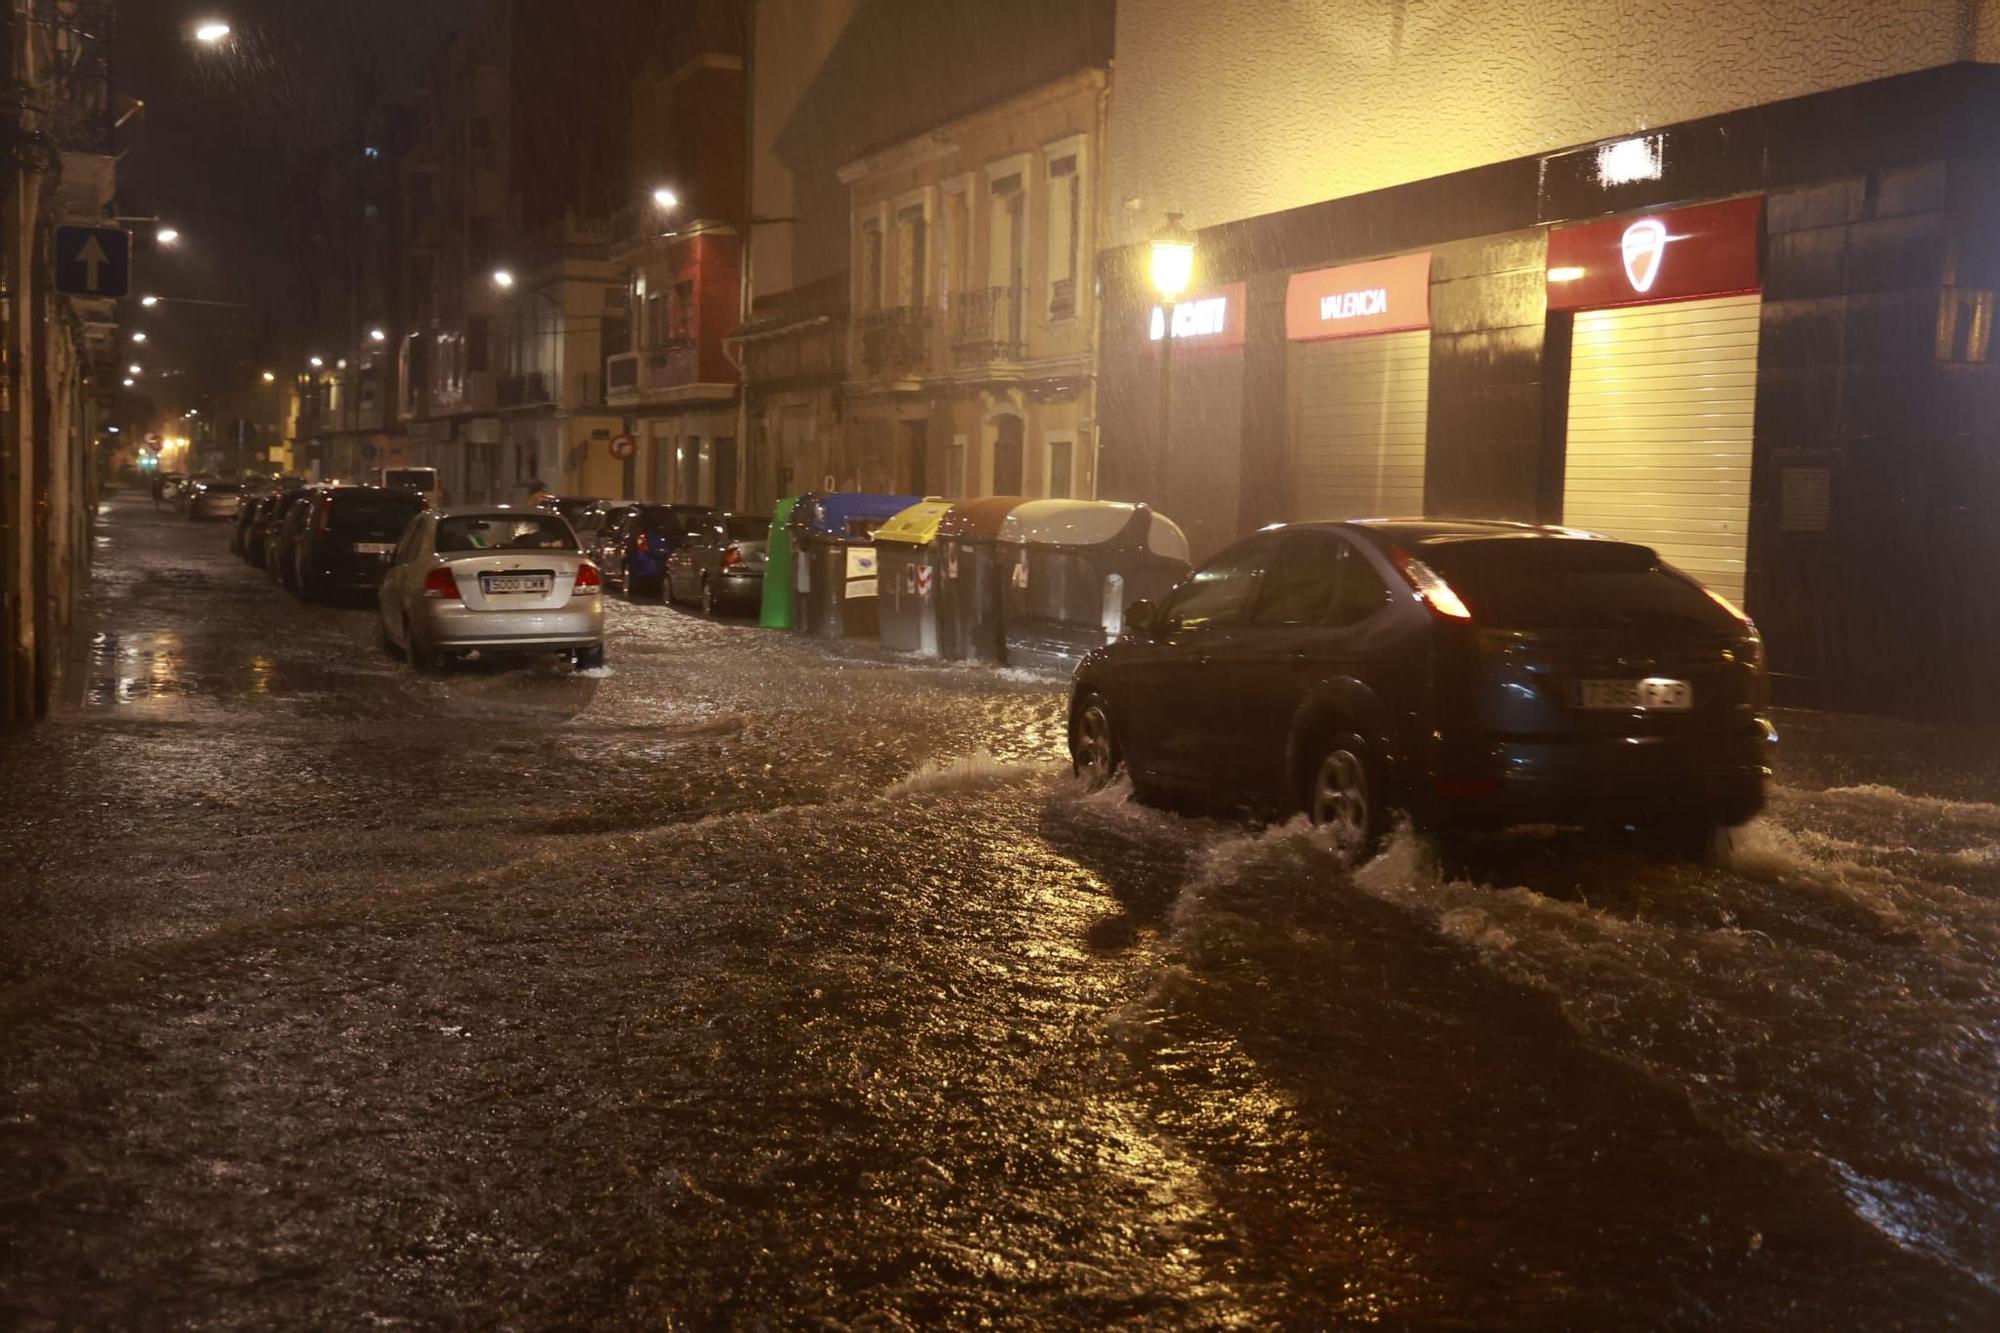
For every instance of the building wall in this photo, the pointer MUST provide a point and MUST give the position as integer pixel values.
(791, 40)
(1225, 111)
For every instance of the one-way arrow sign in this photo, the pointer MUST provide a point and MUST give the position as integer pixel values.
(93, 261)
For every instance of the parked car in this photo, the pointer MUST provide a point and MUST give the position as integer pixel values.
(285, 527)
(604, 541)
(650, 538)
(347, 541)
(509, 580)
(214, 499)
(166, 485)
(246, 516)
(420, 480)
(1475, 675)
(571, 507)
(720, 563)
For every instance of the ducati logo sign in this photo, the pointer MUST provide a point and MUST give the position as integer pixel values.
(1644, 245)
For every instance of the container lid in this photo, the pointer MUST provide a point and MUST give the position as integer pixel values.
(917, 525)
(981, 517)
(848, 513)
(1094, 523)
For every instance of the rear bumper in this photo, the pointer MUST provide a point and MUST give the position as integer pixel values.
(1616, 779)
(451, 625)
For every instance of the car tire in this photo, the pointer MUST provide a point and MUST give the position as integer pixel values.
(1094, 753)
(708, 597)
(426, 660)
(1343, 796)
(587, 659)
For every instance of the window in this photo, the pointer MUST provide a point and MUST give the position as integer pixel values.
(1007, 237)
(1221, 591)
(1532, 583)
(683, 310)
(952, 245)
(1065, 228)
(503, 532)
(1008, 442)
(871, 267)
(1318, 579)
(910, 257)
(656, 320)
(1062, 469)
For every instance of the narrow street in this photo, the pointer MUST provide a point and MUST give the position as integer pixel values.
(759, 980)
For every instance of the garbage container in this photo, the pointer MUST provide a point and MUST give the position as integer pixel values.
(908, 561)
(1072, 566)
(833, 559)
(776, 612)
(969, 582)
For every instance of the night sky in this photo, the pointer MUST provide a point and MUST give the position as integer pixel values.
(226, 134)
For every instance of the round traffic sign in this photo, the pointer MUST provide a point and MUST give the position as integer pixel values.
(623, 446)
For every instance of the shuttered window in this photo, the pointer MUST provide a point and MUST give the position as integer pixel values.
(1662, 404)
(1359, 407)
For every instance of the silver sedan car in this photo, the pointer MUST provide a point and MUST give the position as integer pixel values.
(496, 580)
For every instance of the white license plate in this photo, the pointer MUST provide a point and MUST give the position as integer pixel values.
(1653, 695)
(374, 548)
(504, 583)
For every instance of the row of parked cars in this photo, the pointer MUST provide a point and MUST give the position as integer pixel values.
(494, 578)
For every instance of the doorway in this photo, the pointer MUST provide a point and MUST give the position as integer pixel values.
(1008, 455)
(912, 471)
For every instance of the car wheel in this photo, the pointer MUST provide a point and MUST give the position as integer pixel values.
(1343, 798)
(708, 597)
(587, 659)
(388, 640)
(1094, 754)
(426, 660)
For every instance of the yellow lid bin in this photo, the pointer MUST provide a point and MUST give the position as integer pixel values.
(917, 525)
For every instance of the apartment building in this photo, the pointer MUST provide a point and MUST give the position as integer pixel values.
(969, 366)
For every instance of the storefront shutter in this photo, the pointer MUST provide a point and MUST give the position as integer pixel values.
(1358, 415)
(1662, 401)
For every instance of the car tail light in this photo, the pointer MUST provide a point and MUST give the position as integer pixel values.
(1430, 585)
(731, 557)
(323, 516)
(441, 584)
(641, 543)
(587, 579)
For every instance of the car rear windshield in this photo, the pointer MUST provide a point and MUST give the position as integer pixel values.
(221, 487)
(411, 478)
(1533, 583)
(749, 528)
(376, 517)
(503, 532)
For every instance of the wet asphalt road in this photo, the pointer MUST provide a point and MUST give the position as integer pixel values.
(758, 982)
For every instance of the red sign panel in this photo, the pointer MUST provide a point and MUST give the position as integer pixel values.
(1207, 319)
(1383, 296)
(623, 446)
(1676, 254)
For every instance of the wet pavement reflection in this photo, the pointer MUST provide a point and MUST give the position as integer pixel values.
(750, 980)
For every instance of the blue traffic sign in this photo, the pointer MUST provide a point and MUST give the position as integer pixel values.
(93, 261)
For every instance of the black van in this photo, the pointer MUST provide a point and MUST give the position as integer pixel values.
(349, 538)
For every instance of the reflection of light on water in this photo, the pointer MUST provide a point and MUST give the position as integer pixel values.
(260, 674)
(129, 669)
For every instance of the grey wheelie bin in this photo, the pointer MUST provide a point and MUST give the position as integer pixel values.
(1071, 567)
(833, 560)
(907, 554)
(969, 582)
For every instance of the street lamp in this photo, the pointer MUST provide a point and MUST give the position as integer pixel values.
(1173, 269)
(149, 301)
(377, 336)
(502, 279)
(270, 377)
(138, 335)
(316, 361)
(665, 198)
(212, 33)
(167, 235)
(129, 381)
(134, 369)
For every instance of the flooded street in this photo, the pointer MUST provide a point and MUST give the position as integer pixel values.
(756, 981)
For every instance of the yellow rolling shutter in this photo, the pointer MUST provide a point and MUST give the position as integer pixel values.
(1358, 412)
(1662, 402)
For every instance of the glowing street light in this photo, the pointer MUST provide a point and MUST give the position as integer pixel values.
(149, 301)
(316, 361)
(138, 335)
(167, 235)
(212, 33)
(270, 377)
(135, 369)
(665, 198)
(128, 381)
(1173, 269)
(377, 336)
(503, 279)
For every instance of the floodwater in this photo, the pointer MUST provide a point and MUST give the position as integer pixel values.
(757, 981)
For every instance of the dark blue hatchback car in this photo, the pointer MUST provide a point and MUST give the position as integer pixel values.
(656, 532)
(1471, 674)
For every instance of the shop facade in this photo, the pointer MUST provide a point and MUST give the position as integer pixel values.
(1758, 342)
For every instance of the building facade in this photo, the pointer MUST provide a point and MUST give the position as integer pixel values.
(1755, 338)
(970, 349)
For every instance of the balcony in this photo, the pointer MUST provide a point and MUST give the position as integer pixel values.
(621, 377)
(987, 327)
(895, 343)
(672, 364)
(533, 387)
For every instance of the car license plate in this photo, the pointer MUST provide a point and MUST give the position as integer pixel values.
(516, 583)
(1653, 695)
(374, 548)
